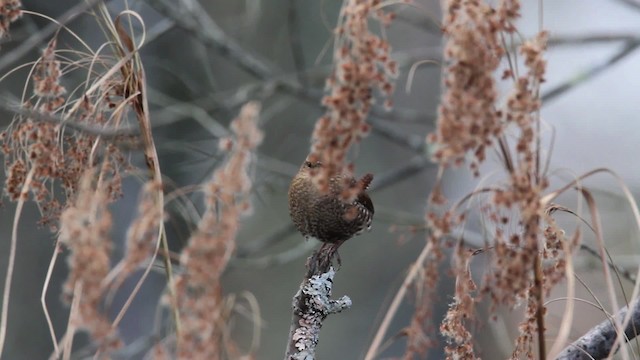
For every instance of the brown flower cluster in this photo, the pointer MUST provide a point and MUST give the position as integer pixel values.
(201, 304)
(59, 138)
(62, 148)
(420, 331)
(84, 229)
(461, 311)
(9, 12)
(362, 64)
(468, 120)
(29, 145)
(528, 249)
(525, 185)
(143, 233)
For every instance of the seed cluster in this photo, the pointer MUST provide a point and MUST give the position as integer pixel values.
(46, 144)
(84, 229)
(143, 233)
(60, 150)
(468, 119)
(362, 64)
(204, 314)
(527, 249)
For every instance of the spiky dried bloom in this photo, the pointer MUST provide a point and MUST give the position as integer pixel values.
(468, 119)
(201, 304)
(59, 153)
(142, 234)
(84, 229)
(362, 64)
(28, 144)
(420, 332)
(461, 311)
(518, 271)
(9, 12)
(473, 118)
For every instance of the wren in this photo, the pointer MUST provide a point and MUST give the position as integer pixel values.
(325, 215)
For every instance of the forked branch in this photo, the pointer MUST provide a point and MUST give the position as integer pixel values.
(311, 305)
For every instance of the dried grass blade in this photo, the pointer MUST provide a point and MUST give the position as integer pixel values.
(595, 220)
(12, 259)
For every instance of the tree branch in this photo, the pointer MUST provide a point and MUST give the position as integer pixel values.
(599, 341)
(626, 50)
(311, 305)
(38, 38)
(193, 18)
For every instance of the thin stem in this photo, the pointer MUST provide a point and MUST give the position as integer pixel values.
(12, 259)
(538, 283)
(43, 300)
(395, 304)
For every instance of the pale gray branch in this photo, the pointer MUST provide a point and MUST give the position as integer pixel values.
(38, 38)
(311, 305)
(599, 341)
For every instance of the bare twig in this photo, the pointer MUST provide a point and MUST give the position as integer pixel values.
(615, 267)
(39, 37)
(397, 300)
(628, 49)
(70, 122)
(575, 40)
(296, 44)
(196, 20)
(631, 3)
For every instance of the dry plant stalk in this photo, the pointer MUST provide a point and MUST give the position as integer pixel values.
(84, 229)
(204, 314)
(58, 154)
(142, 234)
(55, 140)
(473, 118)
(362, 64)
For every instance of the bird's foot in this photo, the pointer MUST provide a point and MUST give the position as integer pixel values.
(322, 259)
(335, 254)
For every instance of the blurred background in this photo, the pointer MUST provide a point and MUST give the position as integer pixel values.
(204, 60)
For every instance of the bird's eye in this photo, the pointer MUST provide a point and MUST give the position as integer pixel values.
(312, 164)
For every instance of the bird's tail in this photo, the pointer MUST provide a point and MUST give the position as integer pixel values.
(366, 180)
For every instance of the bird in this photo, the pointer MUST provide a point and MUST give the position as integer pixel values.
(325, 215)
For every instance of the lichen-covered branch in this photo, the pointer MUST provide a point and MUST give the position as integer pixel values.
(598, 342)
(311, 305)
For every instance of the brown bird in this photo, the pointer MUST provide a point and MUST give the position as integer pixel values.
(325, 216)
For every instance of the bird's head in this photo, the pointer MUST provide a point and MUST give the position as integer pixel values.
(309, 169)
(310, 165)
